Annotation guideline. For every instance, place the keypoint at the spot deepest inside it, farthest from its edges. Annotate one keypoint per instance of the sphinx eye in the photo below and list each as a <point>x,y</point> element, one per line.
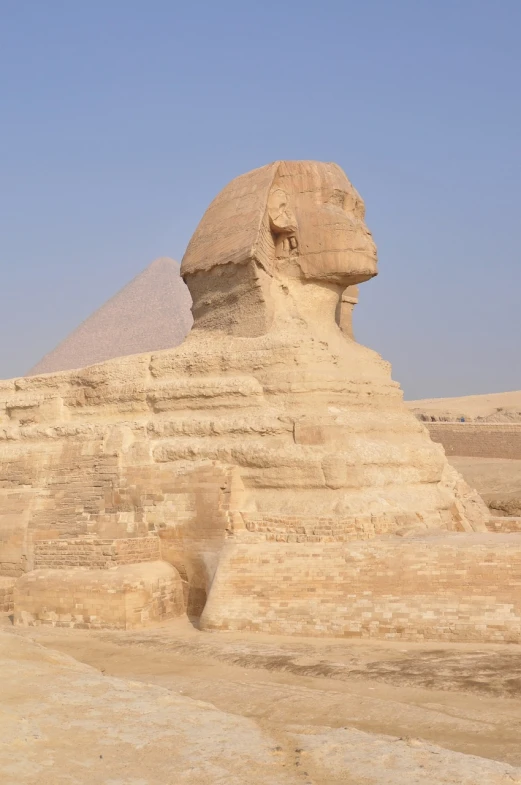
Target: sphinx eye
<point>337,198</point>
<point>359,209</point>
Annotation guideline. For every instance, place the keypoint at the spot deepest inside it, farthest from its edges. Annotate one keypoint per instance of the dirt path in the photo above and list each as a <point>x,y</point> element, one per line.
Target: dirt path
<point>462,697</point>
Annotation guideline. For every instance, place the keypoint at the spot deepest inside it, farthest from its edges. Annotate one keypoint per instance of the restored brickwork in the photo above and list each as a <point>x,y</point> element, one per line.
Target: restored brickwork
<point>81,497</point>
<point>473,440</point>
<point>15,507</point>
<point>451,587</point>
<point>122,598</point>
<point>94,553</point>
<point>6,595</point>
<point>287,528</point>
<point>504,524</point>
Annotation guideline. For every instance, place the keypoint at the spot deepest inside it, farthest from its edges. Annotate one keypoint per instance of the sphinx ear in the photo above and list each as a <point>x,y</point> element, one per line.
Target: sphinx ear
<point>282,218</point>
<point>283,223</point>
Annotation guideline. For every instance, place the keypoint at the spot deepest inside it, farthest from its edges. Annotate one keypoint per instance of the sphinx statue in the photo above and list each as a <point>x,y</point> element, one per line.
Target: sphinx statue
<point>273,270</point>
<point>270,446</point>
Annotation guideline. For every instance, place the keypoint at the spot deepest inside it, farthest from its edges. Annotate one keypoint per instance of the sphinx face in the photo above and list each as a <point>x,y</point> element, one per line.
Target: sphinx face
<point>328,236</point>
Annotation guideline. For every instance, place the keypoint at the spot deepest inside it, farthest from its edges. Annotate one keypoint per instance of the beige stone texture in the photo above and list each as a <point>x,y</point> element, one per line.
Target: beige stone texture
<point>451,588</point>
<point>269,423</point>
<point>95,553</point>
<point>347,305</point>
<point>493,407</point>
<point>478,440</point>
<point>481,435</point>
<point>6,594</point>
<point>125,597</point>
<point>504,524</point>
<point>64,722</point>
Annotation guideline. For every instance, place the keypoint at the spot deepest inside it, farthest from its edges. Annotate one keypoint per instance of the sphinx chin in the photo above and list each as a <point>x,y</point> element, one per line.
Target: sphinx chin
<point>346,268</point>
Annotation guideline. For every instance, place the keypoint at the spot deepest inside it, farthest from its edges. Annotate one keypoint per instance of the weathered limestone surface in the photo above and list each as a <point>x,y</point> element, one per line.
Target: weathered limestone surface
<point>64,722</point>
<point>125,597</point>
<point>449,588</point>
<point>268,425</point>
<point>6,594</point>
<point>478,440</point>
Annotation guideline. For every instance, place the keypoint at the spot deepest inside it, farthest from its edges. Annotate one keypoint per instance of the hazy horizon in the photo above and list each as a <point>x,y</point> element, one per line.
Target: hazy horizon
<point>122,121</point>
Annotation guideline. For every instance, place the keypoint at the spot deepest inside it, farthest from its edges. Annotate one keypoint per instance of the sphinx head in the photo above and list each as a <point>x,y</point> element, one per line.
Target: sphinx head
<point>298,220</point>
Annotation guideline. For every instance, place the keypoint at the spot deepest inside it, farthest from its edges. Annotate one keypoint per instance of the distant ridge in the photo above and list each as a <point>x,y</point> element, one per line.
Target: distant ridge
<point>491,408</point>
<point>151,312</point>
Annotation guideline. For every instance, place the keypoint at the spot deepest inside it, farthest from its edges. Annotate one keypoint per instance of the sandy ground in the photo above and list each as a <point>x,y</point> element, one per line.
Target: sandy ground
<point>495,407</point>
<point>497,480</point>
<point>64,722</point>
<point>463,697</point>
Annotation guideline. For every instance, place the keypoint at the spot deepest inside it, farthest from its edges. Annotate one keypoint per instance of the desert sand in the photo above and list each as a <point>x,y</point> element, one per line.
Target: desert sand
<point>497,479</point>
<point>494,407</point>
<point>173,705</point>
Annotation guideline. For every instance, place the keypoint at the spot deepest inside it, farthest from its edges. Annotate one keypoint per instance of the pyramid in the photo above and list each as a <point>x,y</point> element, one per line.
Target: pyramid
<point>151,312</point>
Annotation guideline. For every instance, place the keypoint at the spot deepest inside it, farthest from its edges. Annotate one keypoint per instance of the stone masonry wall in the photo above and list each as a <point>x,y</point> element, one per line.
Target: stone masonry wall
<point>504,524</point>
<point>473,440</point>
<point>94,553</point>
<point>14,511</point>
<point>6,594</point>
<point>126,597</point>
<point>287,528</point>
<point>452,587</point>
<point>190,514</point>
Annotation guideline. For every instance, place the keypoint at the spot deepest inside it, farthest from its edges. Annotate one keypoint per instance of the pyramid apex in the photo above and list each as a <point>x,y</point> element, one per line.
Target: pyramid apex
<point>161,260</point>
<point>150,313</point>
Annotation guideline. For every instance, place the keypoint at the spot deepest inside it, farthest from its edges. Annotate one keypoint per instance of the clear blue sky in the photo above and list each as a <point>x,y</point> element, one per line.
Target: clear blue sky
<point>121,120</point>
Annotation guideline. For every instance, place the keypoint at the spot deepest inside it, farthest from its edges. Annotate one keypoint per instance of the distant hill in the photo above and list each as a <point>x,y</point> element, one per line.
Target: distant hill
<point>495,407</point>
<point>151,312</point>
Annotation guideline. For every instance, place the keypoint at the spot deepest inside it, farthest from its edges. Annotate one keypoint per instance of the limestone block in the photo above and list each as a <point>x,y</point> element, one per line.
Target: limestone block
<point>504,524</point>
<point>6,595</point>
<point>126,597</point>
<point>459,587</point>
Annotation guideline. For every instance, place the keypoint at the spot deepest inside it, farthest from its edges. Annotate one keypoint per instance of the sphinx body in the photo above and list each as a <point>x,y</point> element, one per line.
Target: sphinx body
<point>268,436</point>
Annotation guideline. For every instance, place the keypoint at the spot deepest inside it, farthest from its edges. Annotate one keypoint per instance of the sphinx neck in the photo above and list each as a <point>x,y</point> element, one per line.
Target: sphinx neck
<point>308,305</point>
<point>245,301</point>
